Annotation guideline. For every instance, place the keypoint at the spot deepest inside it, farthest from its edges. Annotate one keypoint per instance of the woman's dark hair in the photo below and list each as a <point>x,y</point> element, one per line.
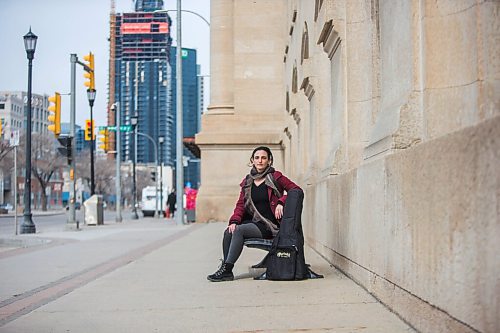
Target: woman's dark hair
<point>266,149</point>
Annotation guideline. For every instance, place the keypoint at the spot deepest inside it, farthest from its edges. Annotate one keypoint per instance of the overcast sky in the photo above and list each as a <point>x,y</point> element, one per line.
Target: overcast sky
<point>79,26</point>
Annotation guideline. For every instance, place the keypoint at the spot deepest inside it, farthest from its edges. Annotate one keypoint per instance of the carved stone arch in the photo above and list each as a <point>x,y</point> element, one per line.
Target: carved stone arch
<point>294,79</point>
<point>304,52</point>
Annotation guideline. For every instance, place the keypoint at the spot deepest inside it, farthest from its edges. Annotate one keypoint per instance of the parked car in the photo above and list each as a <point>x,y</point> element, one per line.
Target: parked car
<point>7,206</point>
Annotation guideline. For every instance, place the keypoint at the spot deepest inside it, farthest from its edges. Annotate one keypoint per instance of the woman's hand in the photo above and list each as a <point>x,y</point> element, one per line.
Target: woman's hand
<point>278,213</point>
<point>231,228</point>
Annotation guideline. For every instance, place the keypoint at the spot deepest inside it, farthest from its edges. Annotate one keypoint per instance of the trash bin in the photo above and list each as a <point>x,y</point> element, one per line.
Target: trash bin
<point>94,214</point>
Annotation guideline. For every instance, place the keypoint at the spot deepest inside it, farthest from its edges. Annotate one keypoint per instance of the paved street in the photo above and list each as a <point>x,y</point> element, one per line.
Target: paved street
<point>149,275</point>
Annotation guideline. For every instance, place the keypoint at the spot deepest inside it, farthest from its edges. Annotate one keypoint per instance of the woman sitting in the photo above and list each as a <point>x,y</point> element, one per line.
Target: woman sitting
<point>258,210</point>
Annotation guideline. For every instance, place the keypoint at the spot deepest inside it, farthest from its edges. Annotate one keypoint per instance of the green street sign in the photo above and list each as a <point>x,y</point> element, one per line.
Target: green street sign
<point>123,128</point>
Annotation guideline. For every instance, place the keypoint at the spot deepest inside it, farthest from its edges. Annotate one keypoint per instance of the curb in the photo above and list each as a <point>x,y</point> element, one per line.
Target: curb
<point>48,213</point>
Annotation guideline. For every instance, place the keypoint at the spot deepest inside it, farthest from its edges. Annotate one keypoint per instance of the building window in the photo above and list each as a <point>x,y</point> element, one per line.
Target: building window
<point>304,52</point>
<point>294,80</point>
<point>317,8</point>
<point>287,102</point>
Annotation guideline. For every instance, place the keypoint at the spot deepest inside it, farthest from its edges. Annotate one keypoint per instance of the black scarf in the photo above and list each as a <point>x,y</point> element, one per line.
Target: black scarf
<point>267,174</point>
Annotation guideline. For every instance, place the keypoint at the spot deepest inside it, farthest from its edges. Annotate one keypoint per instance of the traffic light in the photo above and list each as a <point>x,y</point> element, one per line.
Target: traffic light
<point>55,118</point>
<point>104,139</point>
<point>89,130</point>
<point>153,175</point>
<point>65,150</point>
<point>89,71</point>
<point>1,128</point>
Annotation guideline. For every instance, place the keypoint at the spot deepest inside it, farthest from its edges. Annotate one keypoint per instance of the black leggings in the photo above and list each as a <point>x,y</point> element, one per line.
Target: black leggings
<point>232,244</point>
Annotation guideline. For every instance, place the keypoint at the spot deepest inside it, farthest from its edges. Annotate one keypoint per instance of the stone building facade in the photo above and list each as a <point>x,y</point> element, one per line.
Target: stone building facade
<point>387,113</point>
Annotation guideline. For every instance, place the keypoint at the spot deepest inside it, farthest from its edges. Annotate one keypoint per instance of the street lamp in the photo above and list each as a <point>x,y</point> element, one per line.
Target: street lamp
<point>161,139</point>
<point>179,148</point>
<point>133,122</point>
<point>28,227</point>
<point>91,96</point>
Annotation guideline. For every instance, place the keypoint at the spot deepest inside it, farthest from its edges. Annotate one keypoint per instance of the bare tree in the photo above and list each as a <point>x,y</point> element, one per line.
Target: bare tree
<point>6,159</point>
<point>104,176</point>
<point>82,166</point>
<point>45,161</point>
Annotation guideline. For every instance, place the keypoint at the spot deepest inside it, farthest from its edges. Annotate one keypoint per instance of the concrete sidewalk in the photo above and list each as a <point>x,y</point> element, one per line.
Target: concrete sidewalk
<point>161,286</point>
<point>34,213</point>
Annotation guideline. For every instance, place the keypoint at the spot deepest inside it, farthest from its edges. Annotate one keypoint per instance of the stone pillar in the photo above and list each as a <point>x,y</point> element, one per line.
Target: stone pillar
<point>221,57</point>
<point>247,100</point>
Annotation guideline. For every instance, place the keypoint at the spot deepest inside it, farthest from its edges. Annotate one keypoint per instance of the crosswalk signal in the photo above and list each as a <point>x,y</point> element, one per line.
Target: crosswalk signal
<point>55,118</point>
<point>104,139</point>
<point>89,130</point>
<point>89,71</point>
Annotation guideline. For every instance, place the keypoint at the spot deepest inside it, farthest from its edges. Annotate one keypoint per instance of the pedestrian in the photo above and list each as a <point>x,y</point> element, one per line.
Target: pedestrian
<point>258,211</point>
<point>171,200</point>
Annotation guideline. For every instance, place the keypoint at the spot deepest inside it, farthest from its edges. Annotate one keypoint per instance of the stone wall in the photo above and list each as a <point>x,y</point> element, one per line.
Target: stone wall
<point>394,132</point>
<point>387,113</point>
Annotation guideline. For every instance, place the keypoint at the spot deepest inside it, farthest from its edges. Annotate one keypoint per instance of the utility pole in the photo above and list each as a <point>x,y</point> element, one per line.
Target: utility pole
<point>72,223</point>
<point>133,122</point>
<point>179,174</point>
<point>161,139</point>
<point>15,184</point>
<point>118,160</point>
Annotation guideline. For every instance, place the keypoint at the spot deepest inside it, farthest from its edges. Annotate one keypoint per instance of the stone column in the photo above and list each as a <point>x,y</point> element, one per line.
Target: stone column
<point>247,103</point>
<point>221,57</point>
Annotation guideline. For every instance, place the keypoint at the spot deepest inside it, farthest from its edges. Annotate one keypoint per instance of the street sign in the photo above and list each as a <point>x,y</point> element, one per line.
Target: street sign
<point>123,128</point>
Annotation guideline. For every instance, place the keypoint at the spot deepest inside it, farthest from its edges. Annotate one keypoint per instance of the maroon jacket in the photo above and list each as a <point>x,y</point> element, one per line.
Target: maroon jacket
<point>282,183</point>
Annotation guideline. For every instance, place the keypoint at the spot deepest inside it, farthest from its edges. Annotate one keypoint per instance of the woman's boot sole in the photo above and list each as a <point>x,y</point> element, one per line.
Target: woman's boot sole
<point>229,278</point>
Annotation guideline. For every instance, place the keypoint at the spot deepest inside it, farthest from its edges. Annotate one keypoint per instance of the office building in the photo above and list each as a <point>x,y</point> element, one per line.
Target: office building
<point>141,53</point>
<point>13,113</point>
<point>13,109</point>
<point>79,141</point>
<point>145,87</point>
<point>387,114</point>
<point>190,110</point>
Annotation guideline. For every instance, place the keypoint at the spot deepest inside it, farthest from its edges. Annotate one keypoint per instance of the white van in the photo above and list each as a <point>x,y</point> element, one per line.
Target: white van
<point>148,203</point>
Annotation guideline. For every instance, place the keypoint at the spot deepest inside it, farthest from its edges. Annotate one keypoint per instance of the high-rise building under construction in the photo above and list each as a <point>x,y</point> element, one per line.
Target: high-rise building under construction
<point>141,64</point>
<point>143,81</point>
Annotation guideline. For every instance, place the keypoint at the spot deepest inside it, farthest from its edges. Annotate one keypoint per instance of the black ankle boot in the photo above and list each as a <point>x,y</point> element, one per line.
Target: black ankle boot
<point>224,273</point>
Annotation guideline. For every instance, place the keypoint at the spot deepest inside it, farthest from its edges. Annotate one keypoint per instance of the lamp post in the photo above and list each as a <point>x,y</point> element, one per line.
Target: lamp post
<point>179,217</point>
<point>91,96</point>
<point>28,227</point>
<point>161,139</point>
<point>179,174</point>
<point>133,122</point>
